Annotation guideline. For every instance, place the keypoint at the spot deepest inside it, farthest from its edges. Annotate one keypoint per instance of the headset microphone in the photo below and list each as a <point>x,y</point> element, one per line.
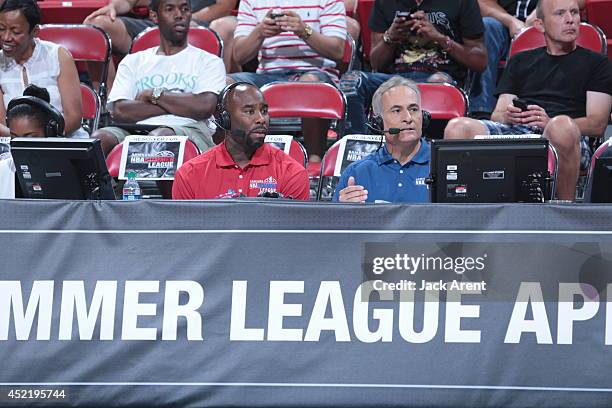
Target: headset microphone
<point>377,130</point>
<point>375,123</point>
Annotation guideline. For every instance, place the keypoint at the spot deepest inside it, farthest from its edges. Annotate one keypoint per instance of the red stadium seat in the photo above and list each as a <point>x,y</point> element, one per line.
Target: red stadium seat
<point>113,160</point>
<point>85,43</point>
<point>599,13</point>
<point>298,152</point>
<point>201,37</point>
<point>64,12</point>
<point>304,99</point>
<point>349,55</point>
<point>553,169</point>
<point>598,152</point>
<point>91,108</point>
<point>326,185</point>
<point>364,9</point>
<point>443,101</point>
<point>590,37</point>
<point>327,181</point>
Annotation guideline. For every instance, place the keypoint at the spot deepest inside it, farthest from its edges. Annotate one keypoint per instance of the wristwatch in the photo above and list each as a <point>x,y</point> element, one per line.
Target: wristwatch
<point>156,94</point>
<point>387,39</point>
<point>307,32</point>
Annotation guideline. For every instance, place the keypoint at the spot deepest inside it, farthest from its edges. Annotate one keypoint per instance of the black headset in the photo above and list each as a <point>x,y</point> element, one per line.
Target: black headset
<point>55,124</point>
<point>375,122</point>
<point>222,115</point>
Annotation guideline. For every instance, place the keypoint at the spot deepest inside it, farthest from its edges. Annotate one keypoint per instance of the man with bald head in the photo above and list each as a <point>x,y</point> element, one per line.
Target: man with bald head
<point>243,165</point>
<point>567,90</point>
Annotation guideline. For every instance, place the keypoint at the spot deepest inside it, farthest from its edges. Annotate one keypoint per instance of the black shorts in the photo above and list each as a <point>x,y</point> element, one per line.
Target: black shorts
<point>135,26</point>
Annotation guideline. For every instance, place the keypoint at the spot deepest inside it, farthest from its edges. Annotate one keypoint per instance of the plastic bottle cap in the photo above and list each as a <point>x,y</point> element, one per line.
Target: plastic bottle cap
<point>131,174</point>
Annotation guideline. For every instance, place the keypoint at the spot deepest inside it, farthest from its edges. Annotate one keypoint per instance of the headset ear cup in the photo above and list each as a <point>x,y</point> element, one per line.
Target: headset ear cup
<point>223,119</point>
<point>55,124</point>
<point>53,129</point>
<point>376,124</point>
<point>226,120</point>
<point>426,120</point>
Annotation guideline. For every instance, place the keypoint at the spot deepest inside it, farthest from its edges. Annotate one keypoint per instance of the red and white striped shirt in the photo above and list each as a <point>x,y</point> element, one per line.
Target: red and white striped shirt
<point>286,50</point>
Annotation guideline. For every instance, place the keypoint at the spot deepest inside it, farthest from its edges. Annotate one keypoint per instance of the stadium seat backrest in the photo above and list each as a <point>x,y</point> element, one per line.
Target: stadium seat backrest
<point>304,99</point>
<point>191,151</point>
<point>364,9</point>
<point>298,152</point>
<point>113,160</point>
<point>598,13</point>
<point>329,160</point>
<point>200,37</point>
<point>590,37</point>
<point>91,106</point>
<point>598,152</point>
<point>85,43</point>
<point>326,180</point>
<point>349,55</point>
<point>443,101</point>
<point>553,169</point>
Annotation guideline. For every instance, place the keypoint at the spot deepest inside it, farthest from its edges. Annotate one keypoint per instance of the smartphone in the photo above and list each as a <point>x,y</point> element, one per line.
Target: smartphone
<point>520,103</point>
<point>405,14</point>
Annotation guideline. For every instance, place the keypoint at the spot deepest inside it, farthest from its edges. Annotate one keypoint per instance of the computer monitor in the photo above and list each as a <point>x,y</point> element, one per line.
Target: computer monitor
<point>601,182</point>
<point>489,171</point>
<point>61,168</point>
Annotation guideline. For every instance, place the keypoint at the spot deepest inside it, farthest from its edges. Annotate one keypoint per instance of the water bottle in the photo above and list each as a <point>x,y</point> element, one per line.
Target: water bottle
<point>131,189</point>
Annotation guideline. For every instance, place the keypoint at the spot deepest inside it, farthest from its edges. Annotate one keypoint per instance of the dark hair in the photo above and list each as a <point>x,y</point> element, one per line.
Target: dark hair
<point>40,116</point>
<point>41,93</point>
<point>29,9</point>
<point>154,5</point>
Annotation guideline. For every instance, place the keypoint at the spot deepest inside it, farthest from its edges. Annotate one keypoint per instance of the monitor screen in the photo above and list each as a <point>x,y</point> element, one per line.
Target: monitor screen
<point>61,168</point>
<point>489,171</point>
<point>601,183</point>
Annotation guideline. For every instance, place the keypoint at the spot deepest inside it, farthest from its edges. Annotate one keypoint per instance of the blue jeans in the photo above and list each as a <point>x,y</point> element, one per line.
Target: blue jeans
<point>260,80</point>
<point>497,41</point>
<point>359,87</point>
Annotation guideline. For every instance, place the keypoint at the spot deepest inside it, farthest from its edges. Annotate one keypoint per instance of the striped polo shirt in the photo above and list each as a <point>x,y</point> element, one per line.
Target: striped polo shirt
<point>286,50</point>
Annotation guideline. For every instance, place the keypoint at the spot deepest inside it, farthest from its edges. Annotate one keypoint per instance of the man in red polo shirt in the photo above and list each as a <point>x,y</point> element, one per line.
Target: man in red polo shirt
<point>243,165</point>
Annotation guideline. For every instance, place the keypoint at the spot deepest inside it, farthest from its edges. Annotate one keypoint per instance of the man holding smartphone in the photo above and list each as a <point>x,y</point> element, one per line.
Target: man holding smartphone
<point>294,41</point>
<point>426,41</point>
<point>503,21</point>
<point>565,91</point>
